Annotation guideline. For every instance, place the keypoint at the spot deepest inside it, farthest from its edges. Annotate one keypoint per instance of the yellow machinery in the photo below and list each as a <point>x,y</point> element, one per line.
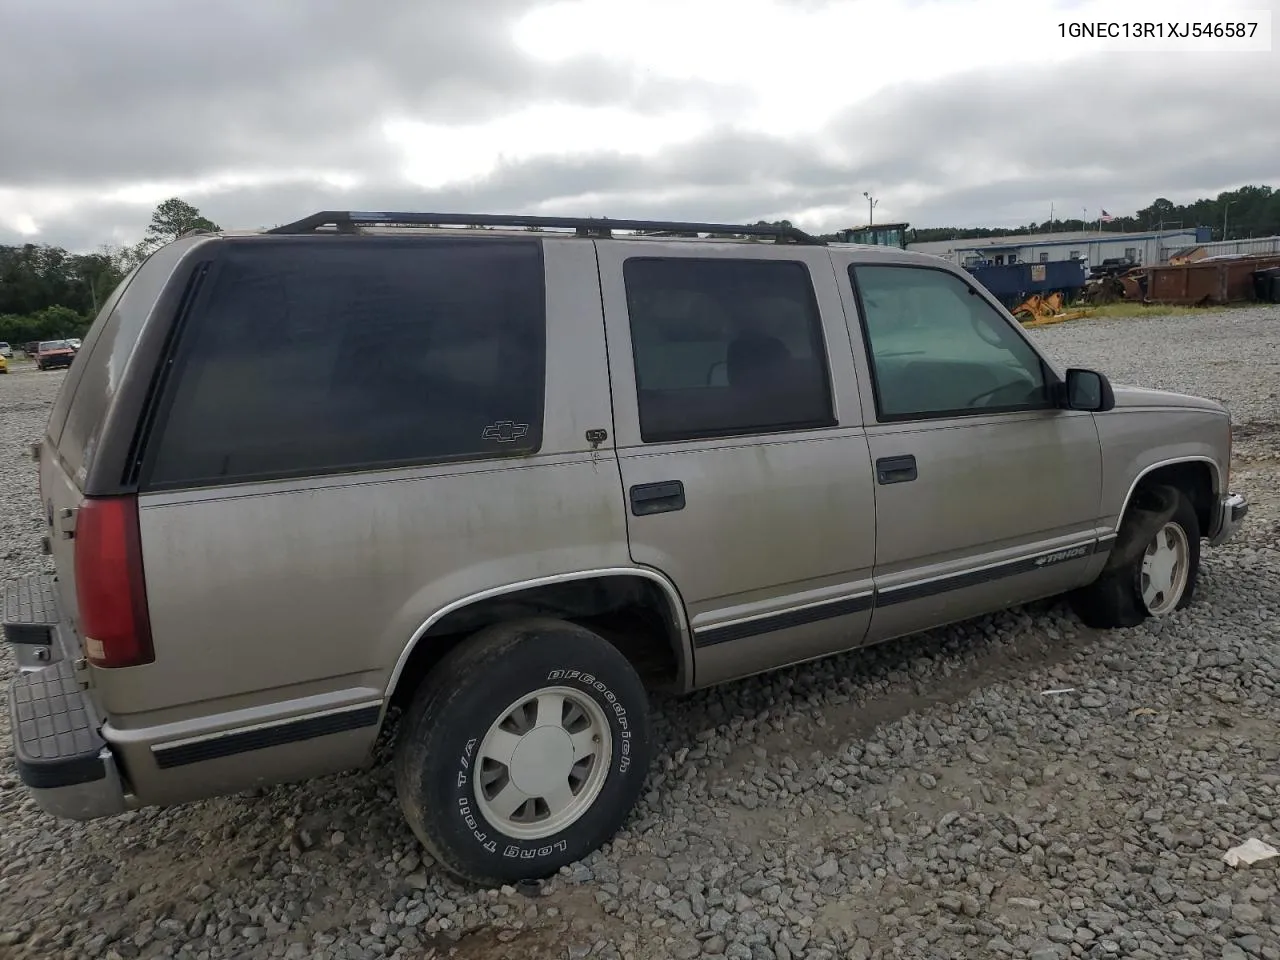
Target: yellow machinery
<point>1038,311</point>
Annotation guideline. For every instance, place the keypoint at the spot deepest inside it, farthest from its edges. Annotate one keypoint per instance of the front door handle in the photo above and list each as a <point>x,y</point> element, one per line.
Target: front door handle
<point>663,497</point>
<point>895,469</point>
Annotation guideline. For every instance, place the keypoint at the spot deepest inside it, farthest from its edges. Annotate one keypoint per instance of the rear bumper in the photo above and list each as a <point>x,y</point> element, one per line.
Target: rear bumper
<point>57,744</point>
<point>1232,509</point>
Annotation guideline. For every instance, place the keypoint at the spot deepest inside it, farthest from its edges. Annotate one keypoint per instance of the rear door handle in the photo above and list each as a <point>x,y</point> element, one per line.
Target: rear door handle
<point>663,497</point>
<point>895,469</point>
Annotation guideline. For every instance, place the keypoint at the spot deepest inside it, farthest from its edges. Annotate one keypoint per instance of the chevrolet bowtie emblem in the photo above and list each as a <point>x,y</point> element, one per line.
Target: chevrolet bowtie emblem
<point>505,431</point>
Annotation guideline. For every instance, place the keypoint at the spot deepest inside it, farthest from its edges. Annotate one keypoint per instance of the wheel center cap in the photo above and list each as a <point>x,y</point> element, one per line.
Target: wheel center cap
<point>541,761</point>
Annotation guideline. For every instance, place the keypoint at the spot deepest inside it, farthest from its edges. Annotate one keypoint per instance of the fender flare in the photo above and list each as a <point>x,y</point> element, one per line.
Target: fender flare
<point>1145,471</point>
<point>683,639</point>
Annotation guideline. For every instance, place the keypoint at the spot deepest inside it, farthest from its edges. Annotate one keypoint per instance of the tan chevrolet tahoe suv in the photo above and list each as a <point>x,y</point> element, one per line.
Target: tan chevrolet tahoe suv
<point>510,479</point>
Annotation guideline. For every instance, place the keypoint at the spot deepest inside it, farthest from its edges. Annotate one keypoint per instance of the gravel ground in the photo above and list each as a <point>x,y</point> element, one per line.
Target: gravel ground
<point>925,799</point>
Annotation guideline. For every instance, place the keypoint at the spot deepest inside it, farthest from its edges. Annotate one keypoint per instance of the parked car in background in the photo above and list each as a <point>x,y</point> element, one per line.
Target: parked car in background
<point>4,364</point>
<point>75,343</point>
<point>54,353</point>
<point>580,465</point>
<point>6,351</point>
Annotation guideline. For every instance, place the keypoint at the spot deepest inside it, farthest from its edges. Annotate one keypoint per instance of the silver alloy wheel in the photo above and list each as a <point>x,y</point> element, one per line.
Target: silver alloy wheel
<point>1165,568</point>
<point>543,763</point>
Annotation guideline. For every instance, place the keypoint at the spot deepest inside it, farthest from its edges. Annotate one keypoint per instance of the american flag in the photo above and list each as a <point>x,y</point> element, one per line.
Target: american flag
<point>1105,217</point>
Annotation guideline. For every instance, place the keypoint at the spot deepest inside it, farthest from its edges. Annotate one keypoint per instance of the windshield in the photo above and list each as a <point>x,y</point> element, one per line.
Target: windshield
<point>53,345</point>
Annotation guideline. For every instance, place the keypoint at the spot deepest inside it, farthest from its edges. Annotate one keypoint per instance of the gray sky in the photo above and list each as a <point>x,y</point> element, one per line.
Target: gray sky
<point>951,112</point>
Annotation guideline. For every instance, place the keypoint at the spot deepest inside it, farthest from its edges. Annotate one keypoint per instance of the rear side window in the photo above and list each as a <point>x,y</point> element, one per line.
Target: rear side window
<point>92,384</point>
<point>107,317</point>
<point>327,355</point>
<point>726,348</point>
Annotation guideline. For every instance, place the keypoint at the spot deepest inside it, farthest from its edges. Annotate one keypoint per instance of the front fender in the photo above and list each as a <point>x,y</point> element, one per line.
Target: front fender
<point>1137,442</point>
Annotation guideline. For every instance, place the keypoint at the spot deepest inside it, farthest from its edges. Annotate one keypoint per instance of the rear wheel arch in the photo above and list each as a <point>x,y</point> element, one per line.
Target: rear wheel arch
<point>638,610</point>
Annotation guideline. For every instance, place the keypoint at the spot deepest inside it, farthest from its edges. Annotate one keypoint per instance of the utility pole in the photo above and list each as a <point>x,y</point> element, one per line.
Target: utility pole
<point>1224,218</point>
<point>871,207</point>
<point>93,291</point>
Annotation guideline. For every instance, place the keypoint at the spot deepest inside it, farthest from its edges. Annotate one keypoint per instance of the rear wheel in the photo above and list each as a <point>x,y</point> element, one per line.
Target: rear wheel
<point>523,751</point>
<point>1154,567</point>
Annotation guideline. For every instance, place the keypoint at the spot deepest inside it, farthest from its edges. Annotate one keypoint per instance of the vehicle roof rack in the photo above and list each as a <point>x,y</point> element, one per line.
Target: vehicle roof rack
<point>349,221</point>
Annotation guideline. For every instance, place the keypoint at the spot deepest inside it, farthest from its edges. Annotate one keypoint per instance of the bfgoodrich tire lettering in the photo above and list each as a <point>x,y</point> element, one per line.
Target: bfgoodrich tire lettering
<point>448,784</point>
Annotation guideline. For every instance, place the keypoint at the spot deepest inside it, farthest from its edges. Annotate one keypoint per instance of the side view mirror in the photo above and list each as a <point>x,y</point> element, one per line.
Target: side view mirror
<point>1087,390</point>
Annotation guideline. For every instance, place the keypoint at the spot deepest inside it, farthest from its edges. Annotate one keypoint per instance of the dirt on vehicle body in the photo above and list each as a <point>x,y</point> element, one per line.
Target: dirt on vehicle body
<point>581,466</point>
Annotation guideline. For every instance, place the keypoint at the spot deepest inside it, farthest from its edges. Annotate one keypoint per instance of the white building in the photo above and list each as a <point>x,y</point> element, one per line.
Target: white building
<point>1149,249</point>
<point>1253,247</point>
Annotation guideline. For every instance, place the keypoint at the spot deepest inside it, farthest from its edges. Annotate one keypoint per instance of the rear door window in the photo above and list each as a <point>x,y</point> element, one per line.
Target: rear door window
<point>325,355</point>
<point>726,347</point>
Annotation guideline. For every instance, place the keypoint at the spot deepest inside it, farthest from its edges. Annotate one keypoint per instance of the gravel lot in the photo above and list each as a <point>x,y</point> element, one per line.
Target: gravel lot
<point>926,799</point>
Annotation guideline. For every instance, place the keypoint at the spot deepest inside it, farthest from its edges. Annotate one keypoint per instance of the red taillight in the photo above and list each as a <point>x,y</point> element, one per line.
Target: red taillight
<point>110,589</point>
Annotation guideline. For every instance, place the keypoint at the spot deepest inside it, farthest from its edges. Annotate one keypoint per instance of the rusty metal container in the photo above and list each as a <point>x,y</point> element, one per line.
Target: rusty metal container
<point>1206,282</point>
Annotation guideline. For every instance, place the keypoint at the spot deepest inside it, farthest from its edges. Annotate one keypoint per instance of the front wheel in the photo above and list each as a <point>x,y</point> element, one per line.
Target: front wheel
<point>1154,567</point>
<point>523,751</point>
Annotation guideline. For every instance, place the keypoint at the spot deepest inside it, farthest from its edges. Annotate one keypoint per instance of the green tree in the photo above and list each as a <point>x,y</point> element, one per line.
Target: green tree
<point>128,256</point>
<point>1251,211</point>
<point>172,219</point>
<point>51,323</point>
<point>94,276</point>
<point>15,330</point>
<point>57,322</point>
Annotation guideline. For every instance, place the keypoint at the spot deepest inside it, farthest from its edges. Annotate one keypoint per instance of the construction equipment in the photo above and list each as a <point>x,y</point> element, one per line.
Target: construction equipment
<point>1110,289</point>
<point>1038,311</point>
<point>880,235</point>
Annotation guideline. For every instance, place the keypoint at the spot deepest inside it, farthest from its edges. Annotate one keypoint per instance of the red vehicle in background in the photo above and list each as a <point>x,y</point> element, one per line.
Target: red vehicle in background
<point>54,353</point>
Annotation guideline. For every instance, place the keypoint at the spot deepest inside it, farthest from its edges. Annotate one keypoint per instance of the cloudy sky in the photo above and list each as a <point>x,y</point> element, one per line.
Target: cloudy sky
<point>950,112</point>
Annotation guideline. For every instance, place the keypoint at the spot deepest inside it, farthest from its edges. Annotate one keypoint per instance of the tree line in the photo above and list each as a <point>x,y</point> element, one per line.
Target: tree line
<point>1252,211</point>
<point>47,293</point>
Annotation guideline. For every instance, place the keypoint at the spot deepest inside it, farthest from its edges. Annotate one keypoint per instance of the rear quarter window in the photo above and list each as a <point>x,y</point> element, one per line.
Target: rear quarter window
<point>95,378</point>
<point>66,395</point>
<point>315,356</point>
